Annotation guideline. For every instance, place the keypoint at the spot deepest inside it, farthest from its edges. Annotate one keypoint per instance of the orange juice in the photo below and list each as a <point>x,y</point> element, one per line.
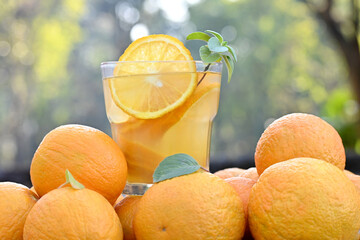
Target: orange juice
<point>185,129</point>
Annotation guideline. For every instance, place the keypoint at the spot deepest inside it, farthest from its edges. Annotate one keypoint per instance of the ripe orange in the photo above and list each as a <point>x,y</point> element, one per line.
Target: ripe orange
<point>69,214</point>
<point>90,155</point>
<point>299,135</point>
<point>229,172</point>
<point>194,206</point>
<point>304,198</point>
<point>250,173</point>
<point>166,85</point>
<point>126,209</point>
<point>242,186</point>
<point>16,201</point>
<point>355,179</point>
<point>348,172</point>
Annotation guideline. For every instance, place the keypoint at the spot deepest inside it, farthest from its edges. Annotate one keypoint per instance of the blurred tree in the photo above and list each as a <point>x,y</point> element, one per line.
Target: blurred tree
<point>286,64</point>
<point>341,20</point>
<point>342,23</point>
<point>40,37</point>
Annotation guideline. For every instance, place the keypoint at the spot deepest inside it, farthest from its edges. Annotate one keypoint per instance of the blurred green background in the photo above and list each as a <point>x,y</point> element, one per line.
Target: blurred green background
<point>294,56</point>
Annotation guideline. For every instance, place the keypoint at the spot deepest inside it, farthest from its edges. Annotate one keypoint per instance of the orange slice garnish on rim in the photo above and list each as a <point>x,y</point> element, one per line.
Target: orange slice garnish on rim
<point>162,81</point>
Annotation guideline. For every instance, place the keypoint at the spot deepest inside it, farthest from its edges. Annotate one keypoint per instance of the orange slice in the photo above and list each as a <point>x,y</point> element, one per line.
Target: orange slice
<point>161,82</point>
<point>142,161</point>
<point>155,128</point>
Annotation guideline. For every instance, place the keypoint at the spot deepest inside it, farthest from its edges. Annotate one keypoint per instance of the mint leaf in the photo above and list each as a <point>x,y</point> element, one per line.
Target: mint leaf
<point>198,36</point>
<point>215,50</point>
<point>217,35</point>
<point>232,51</point>
<point>230,66</point>
<point>70,179</point>
<point>174,166</point>
<point>207,56</point>
<point>215,46</point>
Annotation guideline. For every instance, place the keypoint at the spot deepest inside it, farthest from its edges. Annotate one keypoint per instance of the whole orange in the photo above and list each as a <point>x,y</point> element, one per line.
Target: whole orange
<point>348,172</point>
<point>69,214</point>
<point>242,186</point>
<point>304,198</point>
<point>229,172</point>
<point>250,173</point>
<point>126,209</point>
<point>299,135</point>
<point>194,206</point>
<point>90,155</point>
<point>16,201</point>
<point>355,179</point>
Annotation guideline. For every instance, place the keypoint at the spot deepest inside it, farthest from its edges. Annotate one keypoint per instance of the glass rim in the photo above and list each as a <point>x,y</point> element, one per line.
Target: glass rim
<point>161,61</point>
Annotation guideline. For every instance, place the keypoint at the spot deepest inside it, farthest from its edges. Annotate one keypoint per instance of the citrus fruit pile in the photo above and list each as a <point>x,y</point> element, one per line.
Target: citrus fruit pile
<point>308,196</point>
<point>59,207</point>
<point>298,189</point>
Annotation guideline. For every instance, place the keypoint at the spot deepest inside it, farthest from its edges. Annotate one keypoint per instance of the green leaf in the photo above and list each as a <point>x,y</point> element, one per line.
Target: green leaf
<point>232,51</point>
<point>229,65</point>
<point>207,56</point>
<point>70,179</point>
<point>215,45</point>
<point>198,36</point>
<point>216,50</point>
<point>217,35</point>
<point>174,166</point>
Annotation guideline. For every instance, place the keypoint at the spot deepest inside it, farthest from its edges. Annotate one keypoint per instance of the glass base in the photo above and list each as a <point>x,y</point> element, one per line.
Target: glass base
<point>136,188</point>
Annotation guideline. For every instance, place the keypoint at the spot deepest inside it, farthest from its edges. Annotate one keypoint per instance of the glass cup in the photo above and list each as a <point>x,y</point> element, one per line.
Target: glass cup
<point>185,129</point>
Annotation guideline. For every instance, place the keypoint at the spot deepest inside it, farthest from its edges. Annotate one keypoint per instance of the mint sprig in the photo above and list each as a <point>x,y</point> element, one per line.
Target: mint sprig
<point>215,50</point>
<point>174,166</point>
